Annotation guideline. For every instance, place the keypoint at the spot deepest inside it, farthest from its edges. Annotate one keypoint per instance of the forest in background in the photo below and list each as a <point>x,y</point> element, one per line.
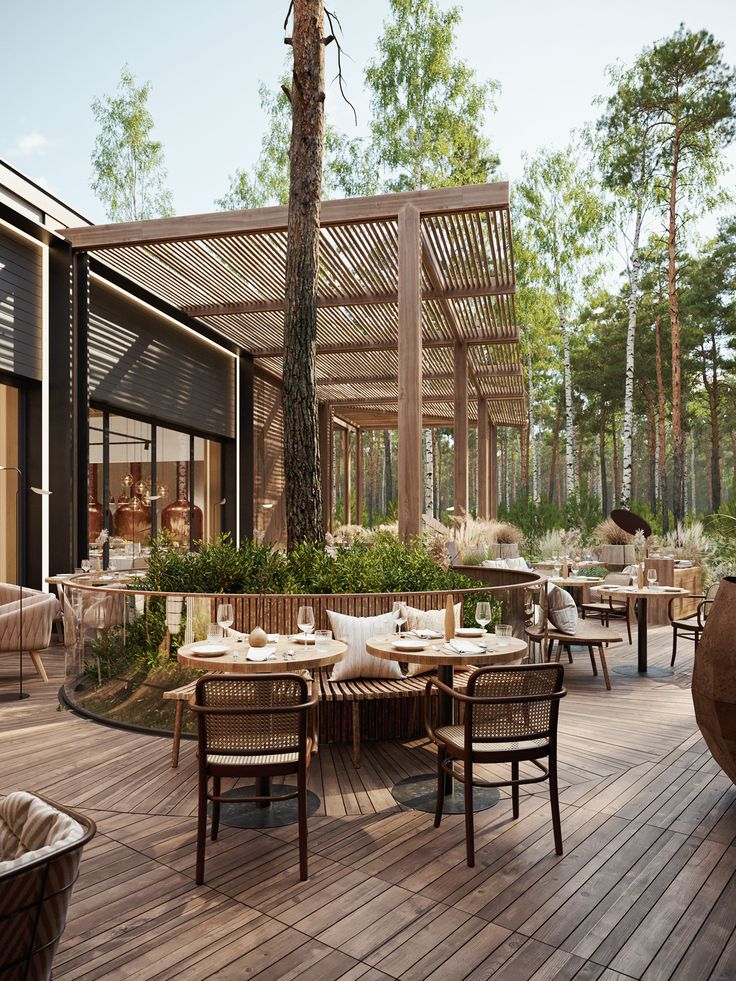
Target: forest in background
<point>627,314</point>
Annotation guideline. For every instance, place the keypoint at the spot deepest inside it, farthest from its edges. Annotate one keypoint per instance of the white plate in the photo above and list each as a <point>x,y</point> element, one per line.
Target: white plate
<point>469,632</point>
<point>211,650</point>
<point>409,645</point>
<point>303,639</point>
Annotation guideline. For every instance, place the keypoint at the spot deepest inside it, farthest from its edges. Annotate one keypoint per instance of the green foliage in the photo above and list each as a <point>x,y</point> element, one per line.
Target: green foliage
<point>128,164</point>
<point>583,511</point>
<point>534,518</point>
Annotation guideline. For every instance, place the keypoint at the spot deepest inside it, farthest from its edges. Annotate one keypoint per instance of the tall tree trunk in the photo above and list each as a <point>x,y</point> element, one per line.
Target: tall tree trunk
<point>604,475</point>
<point>555,452</point>
<point>532,436</point>
<point>711,387</point>
<point>428,472</point>
<point>388,472</point>
<point>614,461</point>
<point>569,419</point>
<point>630,339</point>
<point>693,485</point>
<point>662,436</point>
<point>299,394</point>
<point>524,478</point>
<point>678,436</point>
<point>651,444</point>
<point>369,482</point>
<point>581,447</point>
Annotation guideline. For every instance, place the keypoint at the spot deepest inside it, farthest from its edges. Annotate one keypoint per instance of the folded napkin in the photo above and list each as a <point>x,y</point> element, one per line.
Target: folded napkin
<point>460,646</point>
<point>424,634</point>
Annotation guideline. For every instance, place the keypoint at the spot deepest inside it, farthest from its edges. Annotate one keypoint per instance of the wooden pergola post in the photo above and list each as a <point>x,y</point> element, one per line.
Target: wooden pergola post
<point>461,430</point>
<point>484,502</point>
<point>325,457</point>
<point>410,374</point>
<point>359,476</point>
<point>346,473</point>
<point>493,475</point>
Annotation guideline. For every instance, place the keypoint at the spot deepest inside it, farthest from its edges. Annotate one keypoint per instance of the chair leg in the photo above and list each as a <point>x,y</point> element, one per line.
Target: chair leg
<point>38,665</point>
<point>628,621</point>
<point>554,801</point>
<point>469,828</point>
<point>674,646</point>
<point>178,717</point>
<point>356,734</point>
<point>201,828</point>
<point>215,829</point>
<point>515,789</point>
<point>302,813</point>
<point>697,639</point>
<point>604,665</point>
<point>441,757</point>
<point>592,660</point>
<point>550,649</point>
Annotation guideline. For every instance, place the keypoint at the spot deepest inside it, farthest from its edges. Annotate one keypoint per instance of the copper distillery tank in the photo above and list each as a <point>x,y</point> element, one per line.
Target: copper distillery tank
<point>175,517</point>
<point>133,522</point>
<point>96,516</point>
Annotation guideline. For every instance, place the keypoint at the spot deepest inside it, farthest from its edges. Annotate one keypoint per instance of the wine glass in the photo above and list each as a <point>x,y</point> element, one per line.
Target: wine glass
<point>225,617</point>
<point>85,565</point>
<point>483,615</point>
<point>557,563</point>
<point>652,578</point>
<point>400,615</point>
<point>305,621</point>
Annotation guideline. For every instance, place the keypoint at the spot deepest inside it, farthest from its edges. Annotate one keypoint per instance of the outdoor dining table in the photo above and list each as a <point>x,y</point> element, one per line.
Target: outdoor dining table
<point>289,654</point>
<point>420,792</point>
<point>583,583</point>
<point>641,596</point>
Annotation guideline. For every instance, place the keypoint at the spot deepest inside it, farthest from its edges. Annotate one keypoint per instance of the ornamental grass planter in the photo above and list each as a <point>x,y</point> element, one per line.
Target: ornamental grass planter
<point>618,555</point>
<point>504,550</point>
<point>714,678</point>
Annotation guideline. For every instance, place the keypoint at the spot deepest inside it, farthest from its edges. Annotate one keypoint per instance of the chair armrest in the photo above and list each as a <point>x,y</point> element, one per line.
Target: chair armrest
<point>699,612</point>
<point>674,599</point>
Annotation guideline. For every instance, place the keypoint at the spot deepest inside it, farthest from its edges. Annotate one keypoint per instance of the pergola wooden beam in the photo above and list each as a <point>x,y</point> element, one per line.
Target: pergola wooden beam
<point>444,297</point>
<point>488,373</point>
<point>392,345</point>
<point>432,400</point>
<point>225,224</point>
<point>483,505</point>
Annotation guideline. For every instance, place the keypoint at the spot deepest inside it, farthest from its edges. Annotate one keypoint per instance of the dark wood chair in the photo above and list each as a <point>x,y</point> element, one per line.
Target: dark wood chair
<point>690,626</point>
<point>611,608</point>
<point>257,726</point>
<point>510,717</point>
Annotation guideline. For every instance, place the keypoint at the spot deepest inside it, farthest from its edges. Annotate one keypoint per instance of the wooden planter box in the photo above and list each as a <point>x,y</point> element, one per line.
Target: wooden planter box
<point>500,551</point>
<point>618,555</point>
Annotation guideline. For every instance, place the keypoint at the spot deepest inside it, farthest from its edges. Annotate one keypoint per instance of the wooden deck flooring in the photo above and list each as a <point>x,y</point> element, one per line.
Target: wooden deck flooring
<point>646,888</point>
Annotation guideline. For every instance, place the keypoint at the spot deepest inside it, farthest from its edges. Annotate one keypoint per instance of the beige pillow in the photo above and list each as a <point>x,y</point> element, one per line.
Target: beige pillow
<point>427,620</point>
<point>561,609</point>
<point>355,631</point>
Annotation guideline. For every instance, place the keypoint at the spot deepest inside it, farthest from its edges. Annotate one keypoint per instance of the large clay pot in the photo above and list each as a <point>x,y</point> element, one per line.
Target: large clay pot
<point>714,678</point>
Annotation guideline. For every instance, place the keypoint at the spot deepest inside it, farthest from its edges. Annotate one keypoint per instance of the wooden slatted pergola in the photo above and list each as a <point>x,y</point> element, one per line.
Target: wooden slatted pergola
<point>416,317</point>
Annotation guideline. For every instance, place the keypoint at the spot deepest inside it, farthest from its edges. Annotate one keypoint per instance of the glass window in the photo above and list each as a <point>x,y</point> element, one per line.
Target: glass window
<point>9,430</point>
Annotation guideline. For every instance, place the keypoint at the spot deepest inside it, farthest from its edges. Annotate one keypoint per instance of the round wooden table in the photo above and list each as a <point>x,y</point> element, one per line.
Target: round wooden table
<point>641,596</point>
<point>289,655</point>
<point>420,792</point>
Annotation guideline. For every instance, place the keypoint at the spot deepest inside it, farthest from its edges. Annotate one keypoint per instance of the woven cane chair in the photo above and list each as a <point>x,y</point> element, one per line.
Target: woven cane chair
<point>252,727</point>
<point>691,626</point>
<point>510,717</point>
<point>611,609</point>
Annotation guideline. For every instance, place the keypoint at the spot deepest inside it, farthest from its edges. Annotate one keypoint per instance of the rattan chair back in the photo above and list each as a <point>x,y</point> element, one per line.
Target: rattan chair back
<point>249,716</point>
<point>516,702</point>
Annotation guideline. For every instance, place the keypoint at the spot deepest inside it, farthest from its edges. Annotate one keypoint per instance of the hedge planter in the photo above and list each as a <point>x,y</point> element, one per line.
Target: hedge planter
<point>714,678</point>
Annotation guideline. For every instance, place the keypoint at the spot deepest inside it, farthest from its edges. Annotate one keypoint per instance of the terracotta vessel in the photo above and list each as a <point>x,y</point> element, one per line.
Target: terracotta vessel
<point>258,637</point>
<point>175,517</point>
<point>714,678</point>
<point>96,518</point>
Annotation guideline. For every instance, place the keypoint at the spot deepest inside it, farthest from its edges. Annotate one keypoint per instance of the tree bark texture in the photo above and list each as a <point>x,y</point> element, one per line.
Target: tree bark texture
<point>555,453</point>
<point>604,476</point>
<point>678,436</point>
<point>630,339</point>
<point>428,460</point>
<point>569,417</point>
<point>299,399</point>
<point>711,384</point>
<point>662,436</point>
<point>388,469</point>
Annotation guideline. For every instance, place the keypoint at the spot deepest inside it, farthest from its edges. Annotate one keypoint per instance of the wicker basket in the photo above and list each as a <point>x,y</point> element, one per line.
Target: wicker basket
<point>33,904</point>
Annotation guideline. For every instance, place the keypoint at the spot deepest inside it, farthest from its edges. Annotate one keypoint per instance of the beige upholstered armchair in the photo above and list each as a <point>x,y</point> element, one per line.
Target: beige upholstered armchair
<point>39,612</point>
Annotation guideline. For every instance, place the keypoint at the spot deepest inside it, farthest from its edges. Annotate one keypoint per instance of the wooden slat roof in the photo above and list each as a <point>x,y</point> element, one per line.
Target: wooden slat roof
<point>228,270</point>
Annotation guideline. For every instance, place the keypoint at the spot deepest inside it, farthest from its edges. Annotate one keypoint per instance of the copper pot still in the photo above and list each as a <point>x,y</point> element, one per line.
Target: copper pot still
<point>714,678</point>
<point>96,516</point>
<point>175,517</point>
<point>133,517</point>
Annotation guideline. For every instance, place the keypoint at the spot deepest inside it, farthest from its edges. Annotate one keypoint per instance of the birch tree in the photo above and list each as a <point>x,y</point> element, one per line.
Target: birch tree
<point>625,154</point>
<point>564,219</point>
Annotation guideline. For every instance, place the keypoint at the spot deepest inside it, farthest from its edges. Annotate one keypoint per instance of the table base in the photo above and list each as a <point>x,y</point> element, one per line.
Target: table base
<point>420,793</point>
<point>276,815</point>
<point>652,671</point>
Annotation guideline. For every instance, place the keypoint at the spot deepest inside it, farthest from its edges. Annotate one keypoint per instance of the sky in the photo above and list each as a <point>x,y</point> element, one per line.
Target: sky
<point>205,61</point>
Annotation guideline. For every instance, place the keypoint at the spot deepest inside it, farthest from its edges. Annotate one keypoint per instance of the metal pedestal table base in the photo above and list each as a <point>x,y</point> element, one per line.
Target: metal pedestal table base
<point>652,671</point>
<point>275,815</point>
<point>420,793</point>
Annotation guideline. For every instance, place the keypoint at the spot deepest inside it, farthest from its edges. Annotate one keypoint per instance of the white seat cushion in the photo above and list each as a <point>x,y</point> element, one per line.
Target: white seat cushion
<point>495,564</point>
<point>30,829</point>
<point>455,736</point>
<point>518,564</point>
<point>263,760</point>
<point>427,620</point>
<point>561,609</point>
<point>355,631</point>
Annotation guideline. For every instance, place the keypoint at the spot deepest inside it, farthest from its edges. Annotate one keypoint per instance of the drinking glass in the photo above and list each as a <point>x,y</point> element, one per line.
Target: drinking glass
<point>213,632</point>
<point>305,620</point>
<point>503,633</point>
<point>86,565</point>
<point>225,616</point>
<point>652,578</point>
<point>322,639</point>
<point>483,615</point>
<point>400,615</point>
